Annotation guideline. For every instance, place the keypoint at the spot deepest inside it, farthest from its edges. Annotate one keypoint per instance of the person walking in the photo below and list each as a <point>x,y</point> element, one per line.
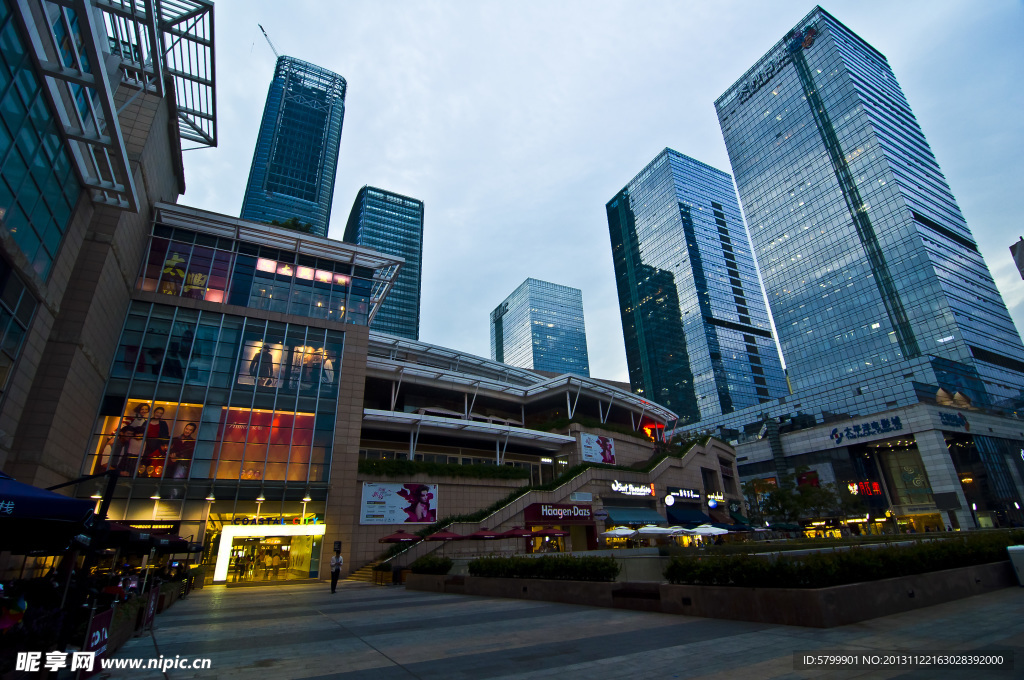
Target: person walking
<point>277,564</point>
<point>268,564</point>
<point>336,563</point>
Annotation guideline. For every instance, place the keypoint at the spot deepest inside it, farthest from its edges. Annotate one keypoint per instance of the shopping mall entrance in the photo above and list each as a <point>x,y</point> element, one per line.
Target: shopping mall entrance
<point>268,553</point>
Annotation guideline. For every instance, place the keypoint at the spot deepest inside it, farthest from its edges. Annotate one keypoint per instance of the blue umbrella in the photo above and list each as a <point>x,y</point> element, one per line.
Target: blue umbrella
<point>33,519</point>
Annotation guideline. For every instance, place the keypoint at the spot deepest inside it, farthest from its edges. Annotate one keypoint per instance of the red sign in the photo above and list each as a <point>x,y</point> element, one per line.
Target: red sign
<point>558,513</point>
<point>96,641</point>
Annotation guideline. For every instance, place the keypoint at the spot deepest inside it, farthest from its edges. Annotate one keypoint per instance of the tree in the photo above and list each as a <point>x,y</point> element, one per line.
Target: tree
<point>294,224</point>
<point>757,492</point>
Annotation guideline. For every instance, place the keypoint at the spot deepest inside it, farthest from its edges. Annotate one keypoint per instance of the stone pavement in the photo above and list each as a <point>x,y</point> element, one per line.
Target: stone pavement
<point>367,632</point>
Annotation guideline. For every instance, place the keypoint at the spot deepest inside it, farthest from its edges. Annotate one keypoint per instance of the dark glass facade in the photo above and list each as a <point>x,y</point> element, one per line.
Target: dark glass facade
<point>38,186</point>
<point>540,326</point>
<point>871,271</point>
<point>393,224</point>
<point>296,155</point>
<point>696,329</point>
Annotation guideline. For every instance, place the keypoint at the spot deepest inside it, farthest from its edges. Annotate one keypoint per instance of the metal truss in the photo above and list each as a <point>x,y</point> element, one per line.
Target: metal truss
<point>86,49</point>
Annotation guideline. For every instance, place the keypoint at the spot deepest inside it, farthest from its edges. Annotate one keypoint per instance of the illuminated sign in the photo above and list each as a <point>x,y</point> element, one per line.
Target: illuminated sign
<point>562,513</point>
<point>245,521</point>
<point>875,427</point>
<point>633,489</point>
<point>681,494</point>
<point>864,488</point>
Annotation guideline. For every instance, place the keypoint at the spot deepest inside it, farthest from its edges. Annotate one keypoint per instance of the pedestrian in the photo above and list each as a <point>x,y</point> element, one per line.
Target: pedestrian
<point>277,564</point>
<point>268,564</point>
<point>336,563</point>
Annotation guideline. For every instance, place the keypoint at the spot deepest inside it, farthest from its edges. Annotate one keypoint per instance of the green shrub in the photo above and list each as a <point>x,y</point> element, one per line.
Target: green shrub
<point>382,566</point>
<point>431,564</point>
<point>553,567</point>
<point>857,564</point>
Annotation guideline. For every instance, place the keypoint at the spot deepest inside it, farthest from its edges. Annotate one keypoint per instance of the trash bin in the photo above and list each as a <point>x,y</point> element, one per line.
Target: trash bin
<point>1017,560</point>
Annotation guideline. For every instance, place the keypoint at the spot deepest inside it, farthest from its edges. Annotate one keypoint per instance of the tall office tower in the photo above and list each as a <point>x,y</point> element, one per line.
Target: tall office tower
<point>392,224</point>
<point>540,326</point>
<point>698,340</point>
<point>296,155</point>
<point>870,268</point>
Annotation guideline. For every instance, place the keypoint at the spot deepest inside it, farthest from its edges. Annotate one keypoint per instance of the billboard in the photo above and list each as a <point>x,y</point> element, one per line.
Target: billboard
<point>398,503</point>
<point>597,449</point>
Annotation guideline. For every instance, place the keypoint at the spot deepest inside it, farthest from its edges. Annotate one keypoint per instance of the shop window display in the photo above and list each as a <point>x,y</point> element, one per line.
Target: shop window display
<point>180,265</point>
<point>213,396</point>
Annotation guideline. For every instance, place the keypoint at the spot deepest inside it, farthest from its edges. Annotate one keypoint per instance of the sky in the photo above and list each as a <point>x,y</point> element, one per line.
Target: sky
<point>516,122</point>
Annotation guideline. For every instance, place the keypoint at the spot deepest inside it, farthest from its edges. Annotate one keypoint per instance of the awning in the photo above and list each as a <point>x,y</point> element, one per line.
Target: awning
<point>684,516</point>
<point>634,516</point>
<point>738,517</point>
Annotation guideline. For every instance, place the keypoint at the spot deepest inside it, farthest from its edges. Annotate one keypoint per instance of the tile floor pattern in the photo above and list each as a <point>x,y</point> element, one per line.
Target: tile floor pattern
<point>367,632</point>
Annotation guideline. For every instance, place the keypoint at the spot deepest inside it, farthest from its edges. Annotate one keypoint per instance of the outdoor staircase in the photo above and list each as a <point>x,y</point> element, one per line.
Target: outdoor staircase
<point>364,574</point>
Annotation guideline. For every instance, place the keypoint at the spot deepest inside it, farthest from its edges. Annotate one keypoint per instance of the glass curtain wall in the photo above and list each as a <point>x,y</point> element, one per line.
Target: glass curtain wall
<point>202,395</point>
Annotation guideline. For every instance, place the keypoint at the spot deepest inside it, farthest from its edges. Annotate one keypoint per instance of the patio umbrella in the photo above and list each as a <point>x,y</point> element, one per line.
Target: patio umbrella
<point>518,532</point>
<point>551,532</point>
<point>619,532</point>
<point>652,530</point>
<point>33,519</point>
<point>445,536</point>
<point>708,530</point>
<point>483,534</point>
<point>399,537</point>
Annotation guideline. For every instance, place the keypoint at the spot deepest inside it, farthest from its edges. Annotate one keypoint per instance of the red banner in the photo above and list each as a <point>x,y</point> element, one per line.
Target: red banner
<point>96,641</point>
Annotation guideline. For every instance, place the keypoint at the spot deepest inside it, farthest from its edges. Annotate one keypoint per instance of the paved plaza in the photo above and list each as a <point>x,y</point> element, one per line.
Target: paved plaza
<point>390,633</point>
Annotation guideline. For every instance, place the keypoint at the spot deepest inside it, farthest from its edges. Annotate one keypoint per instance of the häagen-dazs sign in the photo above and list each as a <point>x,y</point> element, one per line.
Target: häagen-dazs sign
<point>558,513</point>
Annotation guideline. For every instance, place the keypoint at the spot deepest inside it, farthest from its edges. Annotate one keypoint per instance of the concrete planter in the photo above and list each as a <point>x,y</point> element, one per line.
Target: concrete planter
<point>838,605</point>
<point>817,608</point>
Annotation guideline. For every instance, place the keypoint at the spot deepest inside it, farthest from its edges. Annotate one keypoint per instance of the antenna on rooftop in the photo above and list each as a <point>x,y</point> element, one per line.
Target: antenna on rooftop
<point>269,42</point>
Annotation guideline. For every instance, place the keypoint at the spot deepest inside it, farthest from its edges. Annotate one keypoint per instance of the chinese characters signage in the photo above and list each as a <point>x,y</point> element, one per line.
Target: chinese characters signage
<point>867,429</point>
<point>864,488</point>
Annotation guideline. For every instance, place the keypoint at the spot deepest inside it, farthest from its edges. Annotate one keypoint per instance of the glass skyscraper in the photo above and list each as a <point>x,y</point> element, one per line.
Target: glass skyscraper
<point>393,224</point>
<point>878,291</point>
<point>540,326</point>
<point>696,329</point>
<point>296,155</point>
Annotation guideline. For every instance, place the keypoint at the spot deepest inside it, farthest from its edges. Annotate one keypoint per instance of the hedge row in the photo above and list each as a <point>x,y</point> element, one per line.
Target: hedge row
<point>553,567</point>
<point>408,468</point>
<point>822,570</point>
<point>431,564</point>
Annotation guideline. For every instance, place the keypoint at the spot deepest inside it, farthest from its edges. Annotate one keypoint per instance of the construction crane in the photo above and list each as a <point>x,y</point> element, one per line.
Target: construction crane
<point>269,42</point>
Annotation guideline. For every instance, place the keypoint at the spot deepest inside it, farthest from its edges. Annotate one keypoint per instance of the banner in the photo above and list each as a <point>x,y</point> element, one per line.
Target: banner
<point>398,503</point>
<point>597,449</point>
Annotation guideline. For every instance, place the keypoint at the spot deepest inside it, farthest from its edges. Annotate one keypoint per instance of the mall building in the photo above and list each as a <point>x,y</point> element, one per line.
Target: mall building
<point>249,407</point>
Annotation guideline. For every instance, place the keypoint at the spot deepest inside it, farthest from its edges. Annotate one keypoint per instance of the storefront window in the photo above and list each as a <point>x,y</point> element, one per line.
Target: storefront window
<point>202,267</point>
<point>210,396</point>
<point>906,476</point>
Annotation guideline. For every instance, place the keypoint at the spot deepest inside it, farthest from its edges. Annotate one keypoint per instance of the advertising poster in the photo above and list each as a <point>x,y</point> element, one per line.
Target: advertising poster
<point>150,439</point>
<point>96,640</point>
<point>398,503</point>
<point>597,449</point>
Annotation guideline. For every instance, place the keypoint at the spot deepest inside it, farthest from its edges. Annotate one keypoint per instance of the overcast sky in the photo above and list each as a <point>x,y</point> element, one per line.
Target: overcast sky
<point>515,122</point>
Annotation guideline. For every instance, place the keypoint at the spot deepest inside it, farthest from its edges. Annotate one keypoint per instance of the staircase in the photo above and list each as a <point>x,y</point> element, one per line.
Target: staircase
<point>364,574</point>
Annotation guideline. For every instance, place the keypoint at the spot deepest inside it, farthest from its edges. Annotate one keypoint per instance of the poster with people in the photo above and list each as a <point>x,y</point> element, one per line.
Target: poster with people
<point>398,503</point>
<point>150,439</point>
<point>597,449</point>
